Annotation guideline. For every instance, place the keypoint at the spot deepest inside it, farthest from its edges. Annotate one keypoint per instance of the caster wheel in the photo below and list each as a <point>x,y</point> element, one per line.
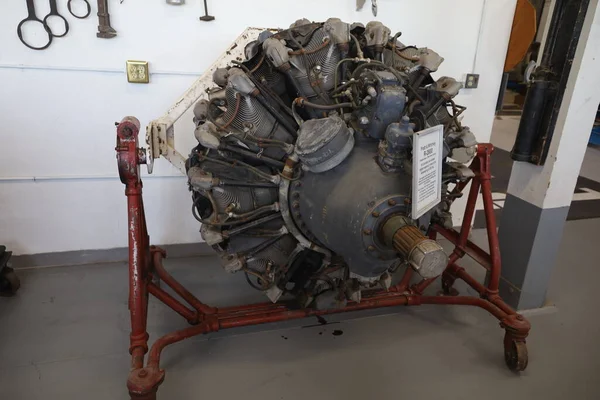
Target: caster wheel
<point>515,354</point>
<point>9,282</point>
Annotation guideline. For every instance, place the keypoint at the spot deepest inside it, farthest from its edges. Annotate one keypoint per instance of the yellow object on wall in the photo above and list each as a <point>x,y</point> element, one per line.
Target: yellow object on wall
<point>137,71</point>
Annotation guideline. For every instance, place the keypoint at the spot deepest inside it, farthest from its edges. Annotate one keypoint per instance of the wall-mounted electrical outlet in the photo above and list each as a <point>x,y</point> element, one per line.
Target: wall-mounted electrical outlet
<point>137,71</point>
<point>472,81</point>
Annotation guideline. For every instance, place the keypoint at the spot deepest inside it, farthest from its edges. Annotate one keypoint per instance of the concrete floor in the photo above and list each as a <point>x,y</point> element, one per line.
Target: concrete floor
<point>65,336</point>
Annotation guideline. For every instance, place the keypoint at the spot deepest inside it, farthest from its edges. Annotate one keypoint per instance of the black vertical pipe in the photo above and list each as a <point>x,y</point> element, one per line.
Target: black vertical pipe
<point>551,77</point>
<point>531,120</point>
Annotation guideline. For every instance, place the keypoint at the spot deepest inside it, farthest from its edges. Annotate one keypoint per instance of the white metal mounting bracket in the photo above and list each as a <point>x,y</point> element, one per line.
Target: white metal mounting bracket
<point>160,133</point>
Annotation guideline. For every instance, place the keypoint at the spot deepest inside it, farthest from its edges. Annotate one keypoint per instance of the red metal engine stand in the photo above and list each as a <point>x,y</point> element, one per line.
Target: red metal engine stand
<point>145,267</point>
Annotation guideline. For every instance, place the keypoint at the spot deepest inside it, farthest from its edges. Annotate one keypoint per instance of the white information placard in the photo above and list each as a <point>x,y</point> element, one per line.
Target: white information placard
<point>428,146</point>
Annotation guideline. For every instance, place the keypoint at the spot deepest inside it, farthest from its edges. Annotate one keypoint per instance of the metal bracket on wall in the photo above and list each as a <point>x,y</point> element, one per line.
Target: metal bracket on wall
<point>160,133</point>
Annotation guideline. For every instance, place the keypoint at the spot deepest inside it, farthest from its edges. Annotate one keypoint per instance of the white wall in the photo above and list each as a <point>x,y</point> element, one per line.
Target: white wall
<point>58,106</point>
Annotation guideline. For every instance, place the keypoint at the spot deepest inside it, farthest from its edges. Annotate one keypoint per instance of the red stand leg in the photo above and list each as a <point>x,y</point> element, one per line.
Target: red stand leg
<point>145,262</point>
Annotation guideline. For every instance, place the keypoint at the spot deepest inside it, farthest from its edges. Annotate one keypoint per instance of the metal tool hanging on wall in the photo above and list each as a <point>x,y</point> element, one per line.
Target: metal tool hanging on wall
<point>105,31</point>
<point>88,12</point>
<point>54,13</point>
<point>31,16</point>
<point>206,17</point>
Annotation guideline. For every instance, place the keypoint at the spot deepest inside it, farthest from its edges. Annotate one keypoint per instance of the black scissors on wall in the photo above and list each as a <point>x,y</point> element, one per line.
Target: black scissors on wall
<point>31,16</point>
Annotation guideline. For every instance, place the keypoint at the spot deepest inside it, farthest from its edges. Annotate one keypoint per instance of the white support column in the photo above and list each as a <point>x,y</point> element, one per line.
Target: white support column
<point>539,197</point>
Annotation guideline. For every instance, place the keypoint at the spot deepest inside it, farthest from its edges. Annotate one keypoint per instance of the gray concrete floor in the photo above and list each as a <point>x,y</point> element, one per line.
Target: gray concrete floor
<point>65,336</point>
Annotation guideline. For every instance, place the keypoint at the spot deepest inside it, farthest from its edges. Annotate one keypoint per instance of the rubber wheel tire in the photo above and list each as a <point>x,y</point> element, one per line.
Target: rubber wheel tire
<point>9,282</point>
<point>515,355</point>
